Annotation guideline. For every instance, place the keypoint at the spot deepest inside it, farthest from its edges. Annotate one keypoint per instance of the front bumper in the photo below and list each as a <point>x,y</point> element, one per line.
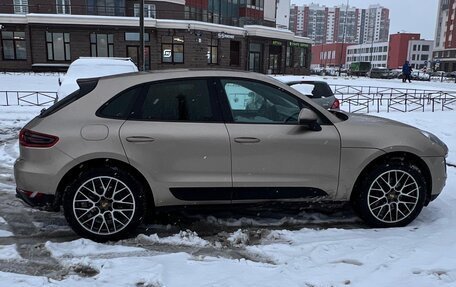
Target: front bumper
<point>438,170</point>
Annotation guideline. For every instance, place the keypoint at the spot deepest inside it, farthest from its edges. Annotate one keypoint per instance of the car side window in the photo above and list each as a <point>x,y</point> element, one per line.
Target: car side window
<point>177,100</point>
<point>255,102</point>
<point>119,106</point>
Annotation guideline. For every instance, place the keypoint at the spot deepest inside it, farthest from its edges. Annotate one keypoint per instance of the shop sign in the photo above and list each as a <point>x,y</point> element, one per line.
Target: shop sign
<point>224,35</point>
<point>276,43</point>
<point>299,45</point>
<point>167,53</point>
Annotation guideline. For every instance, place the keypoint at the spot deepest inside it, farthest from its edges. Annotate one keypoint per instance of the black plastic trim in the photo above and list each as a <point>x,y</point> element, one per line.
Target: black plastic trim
<point>85,87</point>
<point>244,193</point>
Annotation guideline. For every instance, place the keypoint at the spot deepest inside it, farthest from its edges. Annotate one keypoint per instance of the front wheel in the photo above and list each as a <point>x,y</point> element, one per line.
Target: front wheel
<point>391,195</point>
<point>104,203</point>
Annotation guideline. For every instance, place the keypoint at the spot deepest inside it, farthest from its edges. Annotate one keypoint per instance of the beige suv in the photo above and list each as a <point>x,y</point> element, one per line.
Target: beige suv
<point>122,146</point>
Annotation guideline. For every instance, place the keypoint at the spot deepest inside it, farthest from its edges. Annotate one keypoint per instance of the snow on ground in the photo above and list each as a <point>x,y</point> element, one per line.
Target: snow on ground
<point>85,247</point>
<point>184,238</point>
<point>421,254</point>
<point>9,252</point>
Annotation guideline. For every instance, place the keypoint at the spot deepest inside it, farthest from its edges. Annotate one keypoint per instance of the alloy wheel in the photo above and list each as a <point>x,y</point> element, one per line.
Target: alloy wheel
<point>393,196</point>
<point>104,205</point>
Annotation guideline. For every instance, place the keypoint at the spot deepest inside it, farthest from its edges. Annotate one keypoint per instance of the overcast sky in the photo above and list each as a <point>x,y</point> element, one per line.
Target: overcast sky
<point>414,16</point>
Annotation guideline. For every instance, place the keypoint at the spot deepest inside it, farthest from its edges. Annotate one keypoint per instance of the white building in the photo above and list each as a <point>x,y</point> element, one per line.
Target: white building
<point>376,53</point>
<point>420,53</point>
<point>283,14</point>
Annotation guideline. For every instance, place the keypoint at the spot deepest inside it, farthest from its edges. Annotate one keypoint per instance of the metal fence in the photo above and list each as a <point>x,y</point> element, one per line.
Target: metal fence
<point>27,98</point>
<point>367,99</point>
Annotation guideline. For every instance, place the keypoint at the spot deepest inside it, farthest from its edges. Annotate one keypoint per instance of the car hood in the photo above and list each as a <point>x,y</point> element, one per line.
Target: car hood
<point>363,131</point>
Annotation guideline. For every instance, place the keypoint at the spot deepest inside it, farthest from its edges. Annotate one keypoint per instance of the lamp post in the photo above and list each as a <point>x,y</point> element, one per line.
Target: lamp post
<point>343,37</point>
<point>141,60</point>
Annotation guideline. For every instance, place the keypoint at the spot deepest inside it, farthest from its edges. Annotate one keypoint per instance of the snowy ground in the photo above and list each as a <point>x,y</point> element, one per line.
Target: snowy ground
<point>284,248</point>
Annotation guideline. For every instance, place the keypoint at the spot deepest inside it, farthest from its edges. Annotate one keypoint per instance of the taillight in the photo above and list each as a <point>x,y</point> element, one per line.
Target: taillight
<point>30,138</point>
<point>335,105</point>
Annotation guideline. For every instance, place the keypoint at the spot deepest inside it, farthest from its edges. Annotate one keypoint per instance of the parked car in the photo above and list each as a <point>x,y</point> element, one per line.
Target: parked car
<point>381,73</point>
<point>124,146</point>
<point>318,91</point>
<point>420,76</point>
<point>90,67</point>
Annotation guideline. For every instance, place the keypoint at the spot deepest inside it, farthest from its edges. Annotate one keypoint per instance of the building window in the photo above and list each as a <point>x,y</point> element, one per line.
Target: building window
<point>288,61</point>
<point>172,49</point>
<point>134,37</point>
<point>425,48</point>
<point>14,46</point>
<point>302,58</point>
<point>106,7</point>
<point>424,57</point>
<point>212,51</point>
<point>58,46</point>
<point>255,54</point>
<point>413,57</point>
<point>149,10</point>
<point>101,45</point>
<point>20,6</point>
<point>63,6</point>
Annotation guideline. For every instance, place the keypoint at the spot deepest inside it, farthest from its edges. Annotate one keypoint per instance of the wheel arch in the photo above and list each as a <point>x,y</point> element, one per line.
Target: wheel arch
<point>103,162</point>
<point>403,156</point>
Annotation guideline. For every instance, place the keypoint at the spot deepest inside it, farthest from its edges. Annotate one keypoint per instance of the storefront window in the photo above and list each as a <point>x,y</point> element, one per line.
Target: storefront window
<point>255,52</point>
<point>58,46</point>
<point>172,49</point>
<point>235,53</point>
<point>102,45</point>
<point>14,46</point>
<point>212,51</point>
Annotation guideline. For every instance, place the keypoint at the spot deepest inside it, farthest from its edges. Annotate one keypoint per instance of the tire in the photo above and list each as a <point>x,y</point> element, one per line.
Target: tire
<point>104,203</point>
<point>392,194</point>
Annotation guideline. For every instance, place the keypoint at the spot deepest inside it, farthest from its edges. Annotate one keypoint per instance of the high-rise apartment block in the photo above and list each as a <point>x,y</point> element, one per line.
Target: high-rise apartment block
<point>445,37</point>
<point>340,24</point>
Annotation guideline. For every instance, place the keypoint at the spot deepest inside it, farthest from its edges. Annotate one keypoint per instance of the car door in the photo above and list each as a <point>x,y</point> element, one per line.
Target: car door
<point>178,141</point>
<point>274,158</point>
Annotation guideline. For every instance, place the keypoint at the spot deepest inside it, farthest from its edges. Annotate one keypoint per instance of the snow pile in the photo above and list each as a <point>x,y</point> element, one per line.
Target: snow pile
<point>9,252</point>
<point>183,238</point>
<point>85,247</point>
<point>239,238</point>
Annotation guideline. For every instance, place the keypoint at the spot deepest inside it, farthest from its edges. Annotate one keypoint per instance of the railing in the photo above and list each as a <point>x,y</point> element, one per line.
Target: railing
<point>25,98</point>
<point>367,99</point>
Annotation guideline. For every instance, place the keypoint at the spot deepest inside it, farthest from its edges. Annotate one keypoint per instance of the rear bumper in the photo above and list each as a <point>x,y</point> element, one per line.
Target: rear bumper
<point>37,200</point>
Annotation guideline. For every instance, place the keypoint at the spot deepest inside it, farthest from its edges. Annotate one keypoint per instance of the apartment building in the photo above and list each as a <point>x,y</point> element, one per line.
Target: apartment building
<point>339,24</point>
<point>238,34</point>
<point>445,37</point>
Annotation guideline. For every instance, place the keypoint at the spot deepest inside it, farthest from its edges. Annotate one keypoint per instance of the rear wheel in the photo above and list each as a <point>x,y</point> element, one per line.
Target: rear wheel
<point>391,195</point>
<point>104,203</point>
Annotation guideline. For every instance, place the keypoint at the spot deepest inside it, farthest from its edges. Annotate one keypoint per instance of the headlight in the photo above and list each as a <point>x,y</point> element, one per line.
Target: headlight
<point>434,139</point>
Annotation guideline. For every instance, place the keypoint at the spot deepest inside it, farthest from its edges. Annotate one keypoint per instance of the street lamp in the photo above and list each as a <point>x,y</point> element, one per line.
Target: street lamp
<point>141,58</point>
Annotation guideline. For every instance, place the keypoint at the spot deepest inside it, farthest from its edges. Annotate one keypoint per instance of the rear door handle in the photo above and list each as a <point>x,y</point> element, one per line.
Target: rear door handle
<point>140,139</point>
<point>247,140</point>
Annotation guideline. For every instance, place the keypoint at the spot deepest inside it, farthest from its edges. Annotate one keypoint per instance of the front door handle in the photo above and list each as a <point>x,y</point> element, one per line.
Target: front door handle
<point>246,140</point>
<point>140,139</point>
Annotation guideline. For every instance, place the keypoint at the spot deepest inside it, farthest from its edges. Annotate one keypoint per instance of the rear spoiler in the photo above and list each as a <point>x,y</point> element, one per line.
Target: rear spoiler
<point>86,85</point>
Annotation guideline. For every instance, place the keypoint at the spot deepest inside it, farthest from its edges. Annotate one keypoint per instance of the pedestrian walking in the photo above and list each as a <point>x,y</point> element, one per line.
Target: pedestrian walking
<point>406,72</point>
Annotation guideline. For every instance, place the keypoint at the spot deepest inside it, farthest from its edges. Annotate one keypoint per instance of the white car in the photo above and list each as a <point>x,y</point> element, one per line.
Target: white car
<point>92,67</point>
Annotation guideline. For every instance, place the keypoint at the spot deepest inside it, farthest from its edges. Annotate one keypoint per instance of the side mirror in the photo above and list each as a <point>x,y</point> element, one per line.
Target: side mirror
<point>309,119</point>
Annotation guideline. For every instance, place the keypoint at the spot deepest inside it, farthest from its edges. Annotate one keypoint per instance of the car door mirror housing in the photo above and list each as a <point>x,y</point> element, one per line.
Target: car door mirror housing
<point>309,119</point>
